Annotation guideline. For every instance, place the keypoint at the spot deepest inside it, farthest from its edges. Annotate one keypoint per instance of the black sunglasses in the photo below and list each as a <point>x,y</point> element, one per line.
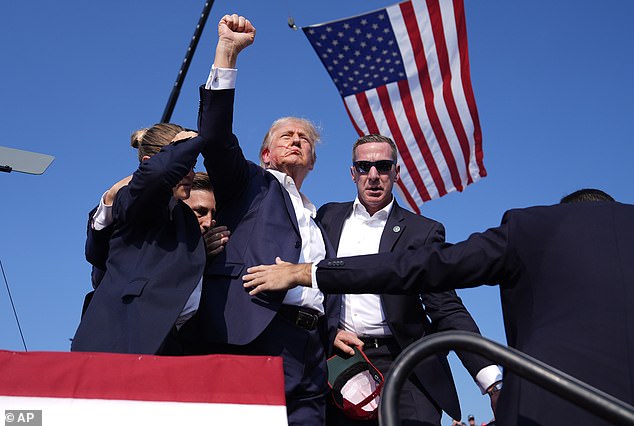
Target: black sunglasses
<point>382,166</point>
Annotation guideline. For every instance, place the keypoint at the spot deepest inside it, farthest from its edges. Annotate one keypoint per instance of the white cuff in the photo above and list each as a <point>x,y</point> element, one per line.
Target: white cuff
<point>487,376</point>
<point>221,78</point>
<point>103,215</point>
<point>313,275</point>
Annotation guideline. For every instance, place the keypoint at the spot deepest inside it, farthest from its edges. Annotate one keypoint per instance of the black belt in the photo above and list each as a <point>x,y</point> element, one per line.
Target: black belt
<point>301,317</point>
<point>375,342</point>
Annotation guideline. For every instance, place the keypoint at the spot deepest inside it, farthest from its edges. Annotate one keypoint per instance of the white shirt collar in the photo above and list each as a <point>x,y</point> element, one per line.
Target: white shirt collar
<point>289,184</point>
<point>360,211</point>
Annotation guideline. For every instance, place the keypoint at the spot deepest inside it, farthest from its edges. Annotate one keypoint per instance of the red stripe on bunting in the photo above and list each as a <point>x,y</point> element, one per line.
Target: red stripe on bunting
<point>226,379</point>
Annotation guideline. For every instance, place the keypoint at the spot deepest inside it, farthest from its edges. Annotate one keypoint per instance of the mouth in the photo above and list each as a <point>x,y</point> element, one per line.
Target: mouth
<point>374,191</point>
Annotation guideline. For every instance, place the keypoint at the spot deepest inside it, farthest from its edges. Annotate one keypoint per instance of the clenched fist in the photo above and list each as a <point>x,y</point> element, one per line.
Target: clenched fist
<point>234,34</point>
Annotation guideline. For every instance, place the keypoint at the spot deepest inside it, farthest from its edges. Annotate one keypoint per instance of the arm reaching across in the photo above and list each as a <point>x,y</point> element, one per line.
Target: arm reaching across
<point>281,276</point>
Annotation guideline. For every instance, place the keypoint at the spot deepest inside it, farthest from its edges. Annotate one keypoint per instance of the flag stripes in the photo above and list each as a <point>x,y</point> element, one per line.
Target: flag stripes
<point>403,72</point>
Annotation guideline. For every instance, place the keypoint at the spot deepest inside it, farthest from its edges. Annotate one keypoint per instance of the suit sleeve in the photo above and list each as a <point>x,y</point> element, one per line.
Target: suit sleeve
<point>226,165</point>
<point>150,189</point>
<point>447,312</point>
<point>97,248</point>
<point>478,260</point>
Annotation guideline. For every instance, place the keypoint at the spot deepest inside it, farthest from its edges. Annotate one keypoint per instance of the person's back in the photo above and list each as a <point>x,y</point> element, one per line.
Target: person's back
<point>567,295</point>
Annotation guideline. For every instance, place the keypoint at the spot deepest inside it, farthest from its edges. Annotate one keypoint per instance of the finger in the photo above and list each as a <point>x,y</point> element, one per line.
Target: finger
<point>254,269</point>
<point>249,27</point>
<point>278,261</point>
<point>215,251</point>
<point>241,24</point>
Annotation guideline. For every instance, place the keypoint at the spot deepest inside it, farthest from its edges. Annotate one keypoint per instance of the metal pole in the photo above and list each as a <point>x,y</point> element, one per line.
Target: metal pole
<point>603,405</point>
<point>176,90</point>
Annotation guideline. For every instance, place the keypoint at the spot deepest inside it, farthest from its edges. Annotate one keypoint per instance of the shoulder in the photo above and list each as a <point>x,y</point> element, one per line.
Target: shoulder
<point>416,219</point>
<point>333,209</point>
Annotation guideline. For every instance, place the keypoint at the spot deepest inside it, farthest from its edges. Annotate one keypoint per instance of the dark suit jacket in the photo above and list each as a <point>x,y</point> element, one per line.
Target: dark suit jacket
<point>259,213</point>
<point>154,260</point>
<point>566,276</point>
<point>407,318</point>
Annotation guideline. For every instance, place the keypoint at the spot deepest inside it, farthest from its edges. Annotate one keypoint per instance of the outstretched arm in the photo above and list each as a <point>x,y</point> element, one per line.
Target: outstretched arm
<point>278,277</point>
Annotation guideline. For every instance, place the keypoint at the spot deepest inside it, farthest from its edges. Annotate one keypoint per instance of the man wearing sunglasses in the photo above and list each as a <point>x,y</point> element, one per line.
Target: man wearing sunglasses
<point>382,324</point>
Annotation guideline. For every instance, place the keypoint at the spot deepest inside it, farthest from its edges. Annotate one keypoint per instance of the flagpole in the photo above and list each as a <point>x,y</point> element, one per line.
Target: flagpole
<point>171,102</point>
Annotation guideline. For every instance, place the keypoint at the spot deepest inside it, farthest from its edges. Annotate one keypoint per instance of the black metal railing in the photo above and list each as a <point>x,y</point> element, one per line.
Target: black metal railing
<point>603,405</point>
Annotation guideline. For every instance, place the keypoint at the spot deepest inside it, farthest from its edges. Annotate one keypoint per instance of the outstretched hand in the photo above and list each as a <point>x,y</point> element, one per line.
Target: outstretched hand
<point>278,277</point>
<point>234,34</point>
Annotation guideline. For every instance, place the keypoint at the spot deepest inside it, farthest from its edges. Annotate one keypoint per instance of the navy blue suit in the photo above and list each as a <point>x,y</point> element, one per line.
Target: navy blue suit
<point>406,317</point>
<point>260,215</point>
<point>566,277</point>
<point>155,258</point>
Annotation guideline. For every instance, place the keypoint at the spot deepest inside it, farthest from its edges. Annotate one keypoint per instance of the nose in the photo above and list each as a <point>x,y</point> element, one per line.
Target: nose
<point>205,222</point>
<point>296,140</point>
<point>373,173</point>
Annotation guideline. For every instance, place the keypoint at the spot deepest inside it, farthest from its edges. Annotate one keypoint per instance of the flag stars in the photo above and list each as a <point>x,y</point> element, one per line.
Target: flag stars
<point>359,52</point>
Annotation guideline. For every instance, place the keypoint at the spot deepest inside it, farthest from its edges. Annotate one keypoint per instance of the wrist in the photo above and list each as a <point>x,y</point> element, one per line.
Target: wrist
<point>226,55</point>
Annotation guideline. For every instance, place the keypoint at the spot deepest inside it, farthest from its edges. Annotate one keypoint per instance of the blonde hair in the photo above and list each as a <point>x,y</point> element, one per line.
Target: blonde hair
<point>150,140</point>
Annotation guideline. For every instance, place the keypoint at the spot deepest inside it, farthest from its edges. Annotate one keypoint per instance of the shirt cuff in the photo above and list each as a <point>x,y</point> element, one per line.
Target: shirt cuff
<point>487,376</point>
<point>313,275</point>
<point>221,78</point>
<point>103,215</point>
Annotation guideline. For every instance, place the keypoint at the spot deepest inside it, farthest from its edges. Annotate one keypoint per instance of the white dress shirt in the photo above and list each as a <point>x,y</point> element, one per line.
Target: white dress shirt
<point>313,247</point>
<point>362,314</point>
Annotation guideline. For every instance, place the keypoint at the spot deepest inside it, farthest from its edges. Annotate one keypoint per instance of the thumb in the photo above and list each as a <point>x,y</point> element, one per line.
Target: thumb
<point>278,261</point>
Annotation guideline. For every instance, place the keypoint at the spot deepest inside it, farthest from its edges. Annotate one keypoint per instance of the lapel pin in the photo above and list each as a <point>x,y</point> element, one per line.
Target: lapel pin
<point>396,229</point>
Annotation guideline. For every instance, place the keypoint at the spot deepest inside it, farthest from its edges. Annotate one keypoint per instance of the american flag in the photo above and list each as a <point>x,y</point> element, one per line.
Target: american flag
<point>403,72</point>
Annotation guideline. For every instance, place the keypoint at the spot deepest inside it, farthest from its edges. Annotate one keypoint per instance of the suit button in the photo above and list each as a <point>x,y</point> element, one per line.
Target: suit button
<point>331,263</point>
<point>298,244</point>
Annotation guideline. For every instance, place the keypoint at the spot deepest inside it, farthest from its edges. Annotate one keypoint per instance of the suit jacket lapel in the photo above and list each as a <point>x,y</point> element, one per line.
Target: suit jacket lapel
<point>290,209</point>
<point>394,228</point>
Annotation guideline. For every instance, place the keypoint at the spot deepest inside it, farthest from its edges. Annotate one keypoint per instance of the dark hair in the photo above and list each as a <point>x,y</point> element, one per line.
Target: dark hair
<point>201,182</point>
<point>586,194</point>
<point>374,139</point>
<point>150,140</point>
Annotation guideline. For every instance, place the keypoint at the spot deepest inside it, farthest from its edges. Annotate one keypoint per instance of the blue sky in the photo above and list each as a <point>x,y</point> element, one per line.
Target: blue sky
<point>554,84</point>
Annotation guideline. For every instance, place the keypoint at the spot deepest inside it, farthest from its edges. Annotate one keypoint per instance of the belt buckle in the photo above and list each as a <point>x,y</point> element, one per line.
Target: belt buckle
<point>374,342</point>
<point>306,320</point>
